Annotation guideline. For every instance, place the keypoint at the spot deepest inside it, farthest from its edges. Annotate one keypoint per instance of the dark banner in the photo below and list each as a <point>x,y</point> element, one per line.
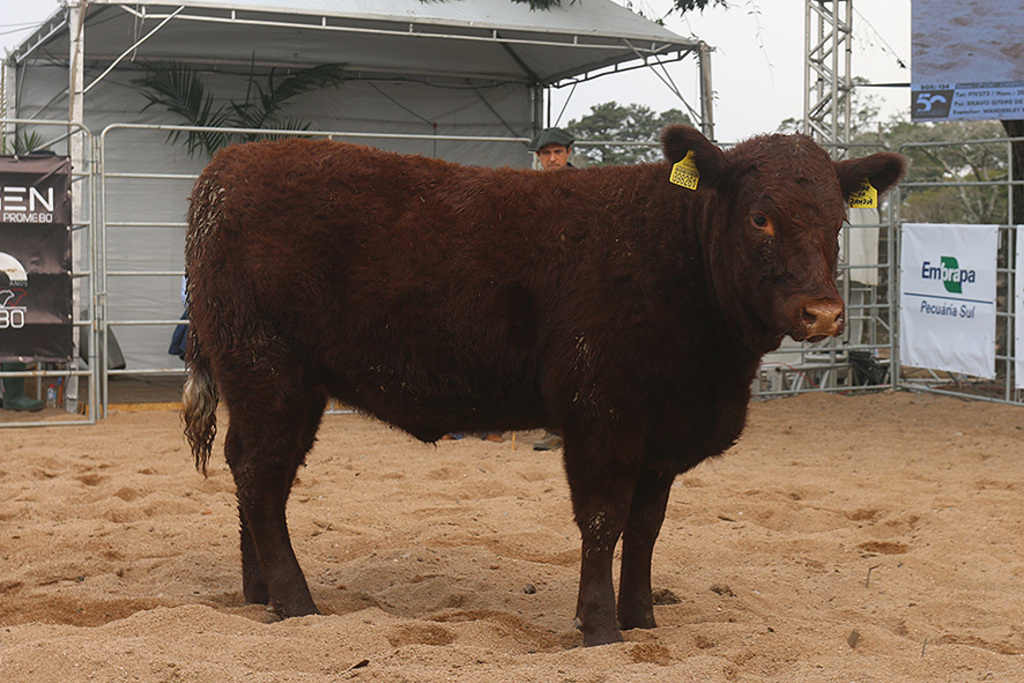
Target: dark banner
<point>35,258</point>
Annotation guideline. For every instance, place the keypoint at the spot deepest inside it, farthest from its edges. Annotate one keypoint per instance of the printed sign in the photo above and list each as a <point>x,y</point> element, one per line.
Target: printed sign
<point>947,298</point>
<point>966,60</point>
<point>969,101</point>
<point>35,258</point>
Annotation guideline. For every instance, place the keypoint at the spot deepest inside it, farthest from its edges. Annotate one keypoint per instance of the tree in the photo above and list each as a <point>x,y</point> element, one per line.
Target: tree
<point>616,124</point>
<point>947,164</point>
<point>22,143</point>
<point>863,113</point>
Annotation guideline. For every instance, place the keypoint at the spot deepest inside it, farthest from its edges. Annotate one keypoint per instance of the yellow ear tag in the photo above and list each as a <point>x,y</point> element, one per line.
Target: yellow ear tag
<point>685,173</point>
<point>864,197</point>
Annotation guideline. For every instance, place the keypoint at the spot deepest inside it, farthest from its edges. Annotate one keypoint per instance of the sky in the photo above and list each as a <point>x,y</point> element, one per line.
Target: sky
<point>757,67</point>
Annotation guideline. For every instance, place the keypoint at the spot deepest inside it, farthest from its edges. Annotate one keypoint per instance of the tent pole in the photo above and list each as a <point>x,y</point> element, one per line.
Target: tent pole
<point>77,141</point>
<point>76,70</point>
<point>8,101</point>
<point>537,97</point>
<point>707,115</point>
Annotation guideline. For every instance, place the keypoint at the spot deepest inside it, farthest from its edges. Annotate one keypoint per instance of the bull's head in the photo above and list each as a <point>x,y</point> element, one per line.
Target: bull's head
<point>773,209</point>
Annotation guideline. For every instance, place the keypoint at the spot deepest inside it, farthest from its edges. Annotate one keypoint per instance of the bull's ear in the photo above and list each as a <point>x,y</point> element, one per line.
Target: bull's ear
<point>677,140</point>
<point>882,170</point>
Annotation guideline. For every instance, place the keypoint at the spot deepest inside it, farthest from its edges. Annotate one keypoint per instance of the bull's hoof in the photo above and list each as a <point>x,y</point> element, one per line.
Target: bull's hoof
<point>636,610</point>
<point>641,618</point>
<point>297,610</point>
<point>593,637</point>
<point>605,637</point>
<point>644,623</point>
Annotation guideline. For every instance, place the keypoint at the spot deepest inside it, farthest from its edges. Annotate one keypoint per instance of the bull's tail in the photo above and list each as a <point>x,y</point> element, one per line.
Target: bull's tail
<point>199,403</point>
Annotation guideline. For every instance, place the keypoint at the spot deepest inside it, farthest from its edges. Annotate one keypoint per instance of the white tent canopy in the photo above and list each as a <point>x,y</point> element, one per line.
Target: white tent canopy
<point>429,71</point>
<point>482,40</point>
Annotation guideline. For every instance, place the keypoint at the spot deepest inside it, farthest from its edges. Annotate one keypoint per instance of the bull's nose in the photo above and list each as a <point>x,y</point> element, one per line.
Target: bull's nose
<point>824,318</point>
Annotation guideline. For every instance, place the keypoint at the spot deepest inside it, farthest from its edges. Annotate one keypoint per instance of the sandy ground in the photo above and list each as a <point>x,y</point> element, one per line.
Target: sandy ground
<point>872,538</point>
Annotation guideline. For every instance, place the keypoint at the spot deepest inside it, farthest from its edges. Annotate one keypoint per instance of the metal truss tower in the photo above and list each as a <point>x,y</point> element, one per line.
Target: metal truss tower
<point>828,36</point>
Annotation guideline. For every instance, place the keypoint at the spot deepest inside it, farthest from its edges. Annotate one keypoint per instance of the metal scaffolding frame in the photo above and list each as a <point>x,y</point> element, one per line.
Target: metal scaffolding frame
<point>828,39</point>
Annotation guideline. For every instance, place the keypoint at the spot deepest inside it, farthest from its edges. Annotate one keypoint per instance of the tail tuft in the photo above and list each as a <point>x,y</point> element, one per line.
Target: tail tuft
<point>199,404</point>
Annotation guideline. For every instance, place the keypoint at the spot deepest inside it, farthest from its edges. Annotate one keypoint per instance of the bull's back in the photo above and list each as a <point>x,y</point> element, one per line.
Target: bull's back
<point>320,206</point>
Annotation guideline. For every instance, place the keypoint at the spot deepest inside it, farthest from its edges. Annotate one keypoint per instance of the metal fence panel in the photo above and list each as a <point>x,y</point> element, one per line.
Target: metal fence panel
<point>977,187</point>
<point>866,357</point>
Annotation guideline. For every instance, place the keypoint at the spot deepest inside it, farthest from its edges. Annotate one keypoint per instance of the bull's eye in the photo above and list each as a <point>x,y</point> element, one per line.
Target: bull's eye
<point>762,223</point>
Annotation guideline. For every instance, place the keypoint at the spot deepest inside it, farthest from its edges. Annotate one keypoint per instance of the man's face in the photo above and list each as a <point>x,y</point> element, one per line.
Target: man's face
<point>553,156</point>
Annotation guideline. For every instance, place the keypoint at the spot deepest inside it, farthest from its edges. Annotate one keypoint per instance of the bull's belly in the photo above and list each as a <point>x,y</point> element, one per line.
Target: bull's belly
<point>430,409</point>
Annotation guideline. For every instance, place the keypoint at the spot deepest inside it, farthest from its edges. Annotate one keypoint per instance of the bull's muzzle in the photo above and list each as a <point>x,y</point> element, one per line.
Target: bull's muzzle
<point>823,318</point>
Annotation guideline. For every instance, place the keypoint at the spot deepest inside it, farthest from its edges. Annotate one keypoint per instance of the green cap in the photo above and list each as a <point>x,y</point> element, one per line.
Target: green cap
<point>558,136</point>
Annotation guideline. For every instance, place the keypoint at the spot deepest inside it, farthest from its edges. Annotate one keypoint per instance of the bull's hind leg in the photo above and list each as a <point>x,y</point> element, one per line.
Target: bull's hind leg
<point>265,446</point>
<point>646,515</point>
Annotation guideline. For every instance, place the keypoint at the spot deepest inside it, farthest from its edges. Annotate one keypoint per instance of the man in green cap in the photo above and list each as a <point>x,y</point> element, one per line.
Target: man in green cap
<point>552,147</point>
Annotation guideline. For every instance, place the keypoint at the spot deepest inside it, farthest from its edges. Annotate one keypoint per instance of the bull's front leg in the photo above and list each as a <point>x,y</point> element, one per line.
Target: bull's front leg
<point>646,515</point>
<point>601,472</point>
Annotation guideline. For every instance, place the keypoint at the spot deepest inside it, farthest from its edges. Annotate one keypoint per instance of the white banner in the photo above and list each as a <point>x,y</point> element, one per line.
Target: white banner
<point>1018,309</point>
<point>947,298</point>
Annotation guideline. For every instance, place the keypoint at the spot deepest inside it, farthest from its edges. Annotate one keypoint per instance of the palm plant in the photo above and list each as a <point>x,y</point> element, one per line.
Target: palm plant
<point>262,108</point>
<point>180,89</point>
<point>22,143</point>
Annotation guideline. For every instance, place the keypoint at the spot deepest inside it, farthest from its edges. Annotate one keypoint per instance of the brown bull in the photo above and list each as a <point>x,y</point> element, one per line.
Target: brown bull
<point>623,309</point>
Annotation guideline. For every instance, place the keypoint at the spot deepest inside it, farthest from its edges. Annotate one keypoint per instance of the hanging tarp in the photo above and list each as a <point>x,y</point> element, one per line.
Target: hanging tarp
<point>35,258</point>
<point>498,41</point>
